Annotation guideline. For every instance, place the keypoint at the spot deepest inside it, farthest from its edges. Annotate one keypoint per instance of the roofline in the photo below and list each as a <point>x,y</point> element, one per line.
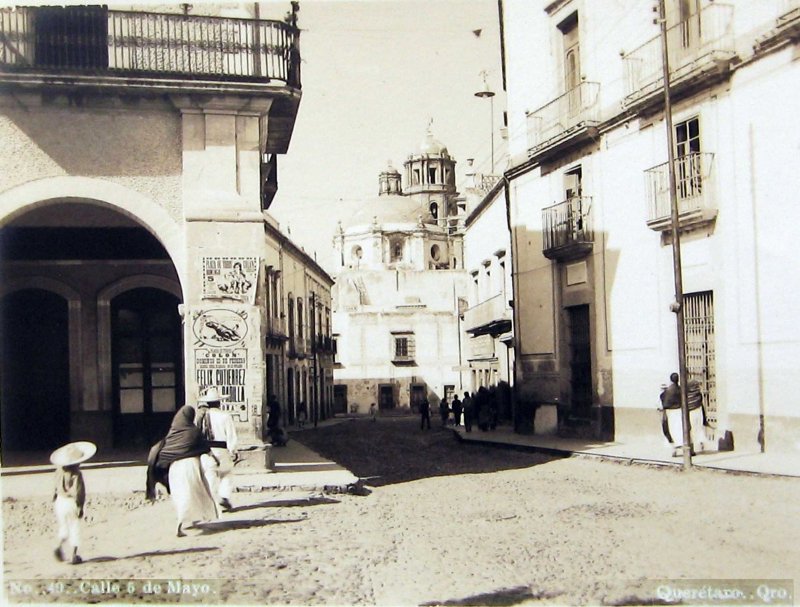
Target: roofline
<point>286,242</point>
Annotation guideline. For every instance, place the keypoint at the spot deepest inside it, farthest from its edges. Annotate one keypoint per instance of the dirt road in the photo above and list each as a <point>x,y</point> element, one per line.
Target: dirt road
<point>444,523</point>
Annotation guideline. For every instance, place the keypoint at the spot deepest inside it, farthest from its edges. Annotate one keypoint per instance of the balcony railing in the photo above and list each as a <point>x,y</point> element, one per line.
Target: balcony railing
<point>696,204</point>
<point>701,46</point>
<point>99,41</point>
<point>786,25</point>
<point>563,117</point>
<point>488,315</point>
<point>567,229</point>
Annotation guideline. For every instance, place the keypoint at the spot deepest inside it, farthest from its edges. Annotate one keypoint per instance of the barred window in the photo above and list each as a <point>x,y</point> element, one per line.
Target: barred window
<point>404,346</point>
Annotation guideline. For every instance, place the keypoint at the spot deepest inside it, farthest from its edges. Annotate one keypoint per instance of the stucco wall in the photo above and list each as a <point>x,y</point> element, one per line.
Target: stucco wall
<point>138,147</point>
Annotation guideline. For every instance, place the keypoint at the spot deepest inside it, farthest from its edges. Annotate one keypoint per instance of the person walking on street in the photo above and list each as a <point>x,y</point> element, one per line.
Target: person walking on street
<point>469,411</point>
<point>180,454</point>
<point>425,414</point>
<point>373,412</point>
<point>671,404</point>
<point>302,415</point>
<point>274,430</point>
<point>457,409</point>
<point>444,412</point>
<point>218,429</point>
<point>70,495</point>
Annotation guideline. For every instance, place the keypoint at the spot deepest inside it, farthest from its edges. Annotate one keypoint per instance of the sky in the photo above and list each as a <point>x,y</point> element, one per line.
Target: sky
<point>375,73</point>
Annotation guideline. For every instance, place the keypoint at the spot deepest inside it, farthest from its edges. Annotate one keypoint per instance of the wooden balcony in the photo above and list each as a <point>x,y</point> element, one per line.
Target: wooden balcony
<point>568,120</point>
<point>91,50</point>
<point>700,52</point>
<point>693,186</point>
<point>567,229</point>
<point>492,316</point>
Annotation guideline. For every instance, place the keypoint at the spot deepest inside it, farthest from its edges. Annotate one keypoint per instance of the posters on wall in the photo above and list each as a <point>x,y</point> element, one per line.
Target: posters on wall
<point>230,278</point>
<point>220,332</point>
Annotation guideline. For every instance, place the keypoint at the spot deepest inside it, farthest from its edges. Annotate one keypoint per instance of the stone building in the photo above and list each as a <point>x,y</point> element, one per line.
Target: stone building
<point>589,208</point>
<point>139,262</point>
<point>399,279</point>
<point>488,341</point>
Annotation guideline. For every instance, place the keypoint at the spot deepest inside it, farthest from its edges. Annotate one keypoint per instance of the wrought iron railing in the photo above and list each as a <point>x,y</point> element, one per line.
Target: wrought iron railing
<point>692,186</point>
<point>694,45</point>
<point>576,108</point>
<point>154,44</point>
<point>567,223</point>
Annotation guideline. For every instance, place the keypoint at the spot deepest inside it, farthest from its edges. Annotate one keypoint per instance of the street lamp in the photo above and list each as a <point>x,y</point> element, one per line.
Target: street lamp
<point>483,94</point>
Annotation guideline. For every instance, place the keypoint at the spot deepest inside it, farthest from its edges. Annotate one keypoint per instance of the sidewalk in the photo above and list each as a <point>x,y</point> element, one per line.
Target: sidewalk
<point>780,463</point>
<point>294,467</point>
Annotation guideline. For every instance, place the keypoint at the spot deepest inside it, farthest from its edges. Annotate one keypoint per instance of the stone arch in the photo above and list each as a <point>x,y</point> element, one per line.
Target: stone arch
<point>138,207</point>
<point>73,299</point>
<point>104,298</point>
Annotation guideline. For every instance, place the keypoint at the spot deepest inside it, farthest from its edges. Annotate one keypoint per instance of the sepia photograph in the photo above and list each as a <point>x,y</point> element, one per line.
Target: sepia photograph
<point>400,302</point>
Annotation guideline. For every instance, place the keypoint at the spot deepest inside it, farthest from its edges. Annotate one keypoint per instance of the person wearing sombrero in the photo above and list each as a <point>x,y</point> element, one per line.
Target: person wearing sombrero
<point>69,496</point>
<point>180,454</point>
<point>218,429</point>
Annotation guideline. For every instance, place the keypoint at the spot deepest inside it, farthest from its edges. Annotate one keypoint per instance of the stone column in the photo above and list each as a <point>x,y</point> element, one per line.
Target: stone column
<point>224,311</point>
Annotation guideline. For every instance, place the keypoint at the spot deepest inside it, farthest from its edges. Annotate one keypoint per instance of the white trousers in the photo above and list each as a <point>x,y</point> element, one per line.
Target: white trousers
<point>69,525</point>
<point>218,476</point>
<point>697,432</point>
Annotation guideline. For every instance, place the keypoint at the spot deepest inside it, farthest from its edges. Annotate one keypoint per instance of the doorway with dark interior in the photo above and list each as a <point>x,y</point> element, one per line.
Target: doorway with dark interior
<point>147,365</point>
<point>34,384</point>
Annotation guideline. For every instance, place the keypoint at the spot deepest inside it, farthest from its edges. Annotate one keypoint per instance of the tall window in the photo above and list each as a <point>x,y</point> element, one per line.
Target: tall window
<point>290,302</point>
<point>396,250</point>
<point>689,18</point>
<point>688,161</point>
<point>300,322</point>
<point>276,311</point>
<point>571,48</point>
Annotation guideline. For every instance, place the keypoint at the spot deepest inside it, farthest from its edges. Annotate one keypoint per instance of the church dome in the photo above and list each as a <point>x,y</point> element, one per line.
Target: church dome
<point>389,209</point>
<point>432,145</point>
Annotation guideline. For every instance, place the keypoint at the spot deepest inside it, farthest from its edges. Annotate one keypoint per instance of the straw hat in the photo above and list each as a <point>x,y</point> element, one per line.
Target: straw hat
<point>73,453</point>
<point>212,395</point>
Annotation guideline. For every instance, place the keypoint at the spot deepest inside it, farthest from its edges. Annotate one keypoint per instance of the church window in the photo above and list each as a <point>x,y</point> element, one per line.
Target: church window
<point>404,347</point>
<point>436,252</point>
<point>356,254</point>
<point>434,210</point>
<point>415,177</point>
<point>432,175</point>
<point>396,250</point>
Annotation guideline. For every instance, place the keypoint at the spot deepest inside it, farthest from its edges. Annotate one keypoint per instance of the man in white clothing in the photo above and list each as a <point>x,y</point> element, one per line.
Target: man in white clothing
<point>218,428</point>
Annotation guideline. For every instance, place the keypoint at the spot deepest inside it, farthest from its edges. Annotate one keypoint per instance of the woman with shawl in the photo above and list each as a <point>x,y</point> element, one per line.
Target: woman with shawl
<point>183,446</point>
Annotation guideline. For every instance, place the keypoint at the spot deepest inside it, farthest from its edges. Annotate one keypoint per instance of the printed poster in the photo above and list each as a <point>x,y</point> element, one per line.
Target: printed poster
<point>232,278</point>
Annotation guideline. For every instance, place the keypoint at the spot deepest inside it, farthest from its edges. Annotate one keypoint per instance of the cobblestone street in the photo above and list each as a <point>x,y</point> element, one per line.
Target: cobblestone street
<point>443,523</point>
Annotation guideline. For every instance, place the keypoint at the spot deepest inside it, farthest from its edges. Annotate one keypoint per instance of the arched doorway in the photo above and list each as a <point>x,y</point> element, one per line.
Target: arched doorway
<point>35,371</point>
<point>146,365</point>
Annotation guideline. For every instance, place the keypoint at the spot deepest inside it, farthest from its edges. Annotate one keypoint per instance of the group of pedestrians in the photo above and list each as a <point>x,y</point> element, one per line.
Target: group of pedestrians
<point>194,463</point>
<point>195,460</point>
<point>478,408</point>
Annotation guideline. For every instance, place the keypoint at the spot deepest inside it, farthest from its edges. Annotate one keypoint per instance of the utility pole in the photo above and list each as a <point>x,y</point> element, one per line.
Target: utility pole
<point>677,305</point>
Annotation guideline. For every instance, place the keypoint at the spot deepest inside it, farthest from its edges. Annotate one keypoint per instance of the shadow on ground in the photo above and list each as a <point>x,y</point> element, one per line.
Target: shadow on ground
<point>152,553</point>
<point>220,526</point>
<point>501,597</point>
<point>395,450</point>
<point>287,503</point>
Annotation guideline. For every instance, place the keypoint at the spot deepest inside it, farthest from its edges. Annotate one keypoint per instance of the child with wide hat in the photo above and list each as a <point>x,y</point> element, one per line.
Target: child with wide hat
<point>69,496</point>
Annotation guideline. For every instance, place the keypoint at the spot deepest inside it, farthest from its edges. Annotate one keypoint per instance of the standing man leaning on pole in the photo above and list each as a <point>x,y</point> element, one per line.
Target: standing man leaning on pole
<point>217,427</point>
